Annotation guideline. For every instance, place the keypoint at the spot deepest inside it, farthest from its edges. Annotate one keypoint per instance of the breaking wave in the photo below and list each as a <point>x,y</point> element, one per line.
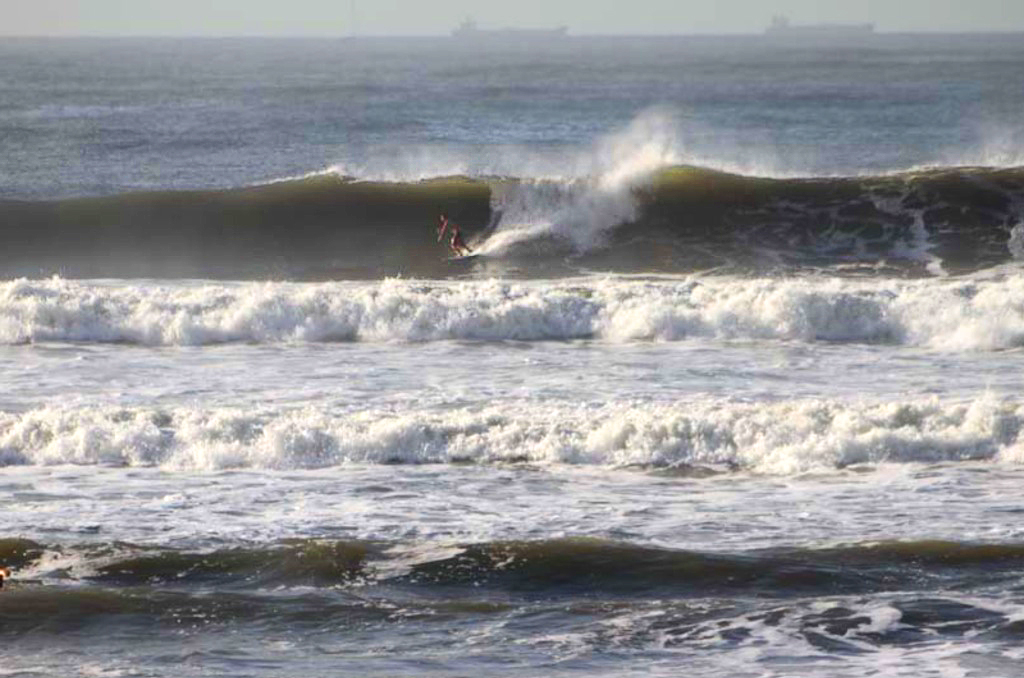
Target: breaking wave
<point>983,313</point>
<point>643,213</point>
<point>702,436</point>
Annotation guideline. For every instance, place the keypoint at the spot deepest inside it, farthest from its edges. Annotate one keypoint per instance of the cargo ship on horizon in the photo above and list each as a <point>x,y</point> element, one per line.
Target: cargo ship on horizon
<point>781,25</point>
<point>469,29</point>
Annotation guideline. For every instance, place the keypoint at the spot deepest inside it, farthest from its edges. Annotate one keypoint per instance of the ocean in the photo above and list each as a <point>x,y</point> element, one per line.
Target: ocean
<point>731,387</point>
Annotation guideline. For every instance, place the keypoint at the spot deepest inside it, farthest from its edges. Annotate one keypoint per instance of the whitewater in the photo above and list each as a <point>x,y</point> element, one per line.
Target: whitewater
<point>984,313</point>
<point>732,386</point>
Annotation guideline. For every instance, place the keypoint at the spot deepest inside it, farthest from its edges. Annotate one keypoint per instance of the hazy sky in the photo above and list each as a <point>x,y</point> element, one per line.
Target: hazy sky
<point>427,17</point>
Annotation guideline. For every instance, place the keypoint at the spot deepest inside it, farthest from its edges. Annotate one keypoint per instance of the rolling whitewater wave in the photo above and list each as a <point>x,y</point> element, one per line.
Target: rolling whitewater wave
<point>699,437</point>
<point>637,216</point>
<point>978,313</point>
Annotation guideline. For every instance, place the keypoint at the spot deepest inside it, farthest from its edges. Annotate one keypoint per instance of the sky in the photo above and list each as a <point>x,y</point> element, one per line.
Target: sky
<point>438,17</point>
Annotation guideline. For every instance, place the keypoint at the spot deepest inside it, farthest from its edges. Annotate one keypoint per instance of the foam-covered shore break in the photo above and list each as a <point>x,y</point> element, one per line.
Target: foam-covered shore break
<point>983,313</point>
<point>782,438</point>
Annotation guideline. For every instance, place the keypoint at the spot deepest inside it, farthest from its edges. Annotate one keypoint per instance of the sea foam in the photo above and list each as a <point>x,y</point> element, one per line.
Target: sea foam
<point>784,438</point>
<point>949,315</point>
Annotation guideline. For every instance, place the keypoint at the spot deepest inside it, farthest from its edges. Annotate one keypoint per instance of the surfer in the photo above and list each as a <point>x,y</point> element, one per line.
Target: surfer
<point>5,574</point>
<point>457,244</point>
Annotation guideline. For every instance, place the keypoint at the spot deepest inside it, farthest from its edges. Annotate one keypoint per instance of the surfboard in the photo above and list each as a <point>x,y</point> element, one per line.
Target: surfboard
<point>464,257</point>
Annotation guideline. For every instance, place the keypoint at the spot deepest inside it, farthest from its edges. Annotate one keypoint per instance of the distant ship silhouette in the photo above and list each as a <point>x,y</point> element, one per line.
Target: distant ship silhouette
<point>469,29</point>
<point>781,26</point>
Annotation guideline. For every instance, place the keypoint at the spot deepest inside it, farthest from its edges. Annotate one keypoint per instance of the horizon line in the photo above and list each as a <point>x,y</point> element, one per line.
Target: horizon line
<point>427,36</point>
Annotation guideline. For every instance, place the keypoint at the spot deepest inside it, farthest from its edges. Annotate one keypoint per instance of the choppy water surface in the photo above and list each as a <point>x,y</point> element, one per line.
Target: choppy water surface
<point>732,388</point>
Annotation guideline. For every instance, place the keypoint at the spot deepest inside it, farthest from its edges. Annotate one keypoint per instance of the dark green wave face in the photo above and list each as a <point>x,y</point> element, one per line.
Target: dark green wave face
<point>319,227</point>
<point>684,219</point>
<point>569,566</point>
<point>16,552</point>
<point>960,218</point>
<point>299,563</point>
<point>335,597</point>
<point>343,594</point>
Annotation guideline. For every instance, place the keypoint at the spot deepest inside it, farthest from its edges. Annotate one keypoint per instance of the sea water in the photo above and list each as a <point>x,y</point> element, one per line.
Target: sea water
<point>732,390</point>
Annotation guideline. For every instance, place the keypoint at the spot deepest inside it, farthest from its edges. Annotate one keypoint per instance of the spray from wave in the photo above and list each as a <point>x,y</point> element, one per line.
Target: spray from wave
<point>599,195</point>
<point>998,143</point>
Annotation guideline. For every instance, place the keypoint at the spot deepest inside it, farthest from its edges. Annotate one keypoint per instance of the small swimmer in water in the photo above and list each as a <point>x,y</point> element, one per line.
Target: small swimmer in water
<point>457,244</point>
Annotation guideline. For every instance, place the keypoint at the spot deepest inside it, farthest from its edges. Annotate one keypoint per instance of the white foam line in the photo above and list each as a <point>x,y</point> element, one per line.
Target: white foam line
<point>980,313</point>
<point>783,438</point>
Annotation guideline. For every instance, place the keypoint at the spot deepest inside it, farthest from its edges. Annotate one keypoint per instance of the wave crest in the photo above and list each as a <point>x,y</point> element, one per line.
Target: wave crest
<point>640,214</point>
<point>782,438</point>
<point>962,314</point>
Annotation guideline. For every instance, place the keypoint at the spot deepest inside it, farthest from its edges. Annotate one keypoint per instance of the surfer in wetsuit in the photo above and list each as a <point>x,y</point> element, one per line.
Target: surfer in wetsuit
<point>457,244</point>
<point>5,574</point>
